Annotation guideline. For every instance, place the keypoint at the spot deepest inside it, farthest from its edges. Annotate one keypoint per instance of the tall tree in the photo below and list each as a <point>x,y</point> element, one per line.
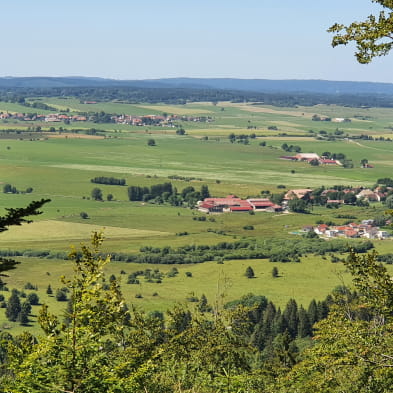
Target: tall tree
<point>96,194</point>
<point>291,315</point>
<point>13,306</point>
<point>205,191</point>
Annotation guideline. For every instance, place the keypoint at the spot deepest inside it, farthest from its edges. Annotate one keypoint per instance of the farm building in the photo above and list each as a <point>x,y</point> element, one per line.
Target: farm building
<point>299,194</point>
<point>234,204</point>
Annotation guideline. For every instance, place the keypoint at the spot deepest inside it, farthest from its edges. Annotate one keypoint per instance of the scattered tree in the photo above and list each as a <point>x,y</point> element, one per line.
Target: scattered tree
<point>61,295</point>
<point>275,272</point>
<point>33,299</point>
<point>13,306</point>
<point>84,215</point>
<point>96,194</point>
<point>23,316</point>
<point>249,272</point>
<point>363,162</point>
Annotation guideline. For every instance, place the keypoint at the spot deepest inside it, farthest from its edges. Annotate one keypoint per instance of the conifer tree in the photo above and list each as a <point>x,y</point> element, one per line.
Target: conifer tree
<point>291,316</point>
<point>17,216</point>
<point>304,326</point>
<point>202,305</point>
<point>23,316</point>
<point>13,306</point>
<point>249,272</point>
<point>313,312</point>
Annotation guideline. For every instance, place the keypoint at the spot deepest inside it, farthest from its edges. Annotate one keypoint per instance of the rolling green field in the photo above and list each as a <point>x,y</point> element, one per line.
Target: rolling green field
<point>60,166</point>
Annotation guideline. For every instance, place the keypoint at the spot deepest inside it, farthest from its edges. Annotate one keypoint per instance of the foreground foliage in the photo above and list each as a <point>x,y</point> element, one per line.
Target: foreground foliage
<point>246,346</point>
<point>354,344</point>
<point>373,36</point>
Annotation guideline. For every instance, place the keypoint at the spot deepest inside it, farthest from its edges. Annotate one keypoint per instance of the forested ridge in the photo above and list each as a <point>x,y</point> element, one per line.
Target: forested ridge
<point>176,95</point>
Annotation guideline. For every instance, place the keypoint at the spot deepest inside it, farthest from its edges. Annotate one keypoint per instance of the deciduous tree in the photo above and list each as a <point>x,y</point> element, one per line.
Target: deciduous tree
<point>373,36</point>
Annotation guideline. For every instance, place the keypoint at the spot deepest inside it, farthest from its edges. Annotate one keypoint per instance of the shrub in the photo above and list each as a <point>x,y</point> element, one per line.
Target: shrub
<point>33,299</point>
<point>29,285</point>
<point>61,296</point>
<point>84,215</point>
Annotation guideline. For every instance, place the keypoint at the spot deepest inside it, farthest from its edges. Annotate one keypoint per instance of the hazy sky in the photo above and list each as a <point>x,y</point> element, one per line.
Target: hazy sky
<point>139,39</point>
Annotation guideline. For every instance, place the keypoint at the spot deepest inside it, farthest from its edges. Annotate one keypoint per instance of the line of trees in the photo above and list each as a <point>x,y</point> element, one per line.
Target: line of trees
<point>108,180</point>
<point>166,192</point>
<point>10,189</point>
<point>274,250</point>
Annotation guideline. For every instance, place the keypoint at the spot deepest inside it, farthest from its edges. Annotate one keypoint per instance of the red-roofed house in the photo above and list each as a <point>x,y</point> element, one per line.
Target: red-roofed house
<point>326,161</point>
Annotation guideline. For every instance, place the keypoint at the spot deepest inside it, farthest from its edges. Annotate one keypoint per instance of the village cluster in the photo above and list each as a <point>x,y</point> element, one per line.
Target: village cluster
<point>366,229</point>
<point>145,120</point>
<point>232,203</point>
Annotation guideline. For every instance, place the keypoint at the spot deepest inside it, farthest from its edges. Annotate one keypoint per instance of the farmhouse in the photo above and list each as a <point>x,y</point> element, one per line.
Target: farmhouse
<point>326,161</point>
<point>232,204</point>
<point>299,194</point>
<point>220,205</point>
<point>263,204</point>
<point>369,195</point>
<point>307,156</point>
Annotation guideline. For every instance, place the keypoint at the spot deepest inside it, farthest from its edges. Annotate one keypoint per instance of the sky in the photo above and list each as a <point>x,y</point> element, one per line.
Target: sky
<point>147,39</point>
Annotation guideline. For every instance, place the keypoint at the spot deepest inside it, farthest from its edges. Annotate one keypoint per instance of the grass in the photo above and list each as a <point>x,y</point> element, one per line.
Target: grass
<point>313,277</point>
<point>61,169</point>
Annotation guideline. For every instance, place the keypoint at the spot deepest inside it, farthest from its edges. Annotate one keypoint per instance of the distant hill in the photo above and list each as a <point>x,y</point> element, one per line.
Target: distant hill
<point>252,85</point>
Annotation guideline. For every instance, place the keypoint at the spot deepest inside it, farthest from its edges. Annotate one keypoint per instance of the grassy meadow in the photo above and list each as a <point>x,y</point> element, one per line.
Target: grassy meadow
<point>59,166</point>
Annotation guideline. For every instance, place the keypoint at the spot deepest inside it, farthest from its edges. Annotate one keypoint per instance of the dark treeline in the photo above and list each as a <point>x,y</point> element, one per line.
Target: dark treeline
<point>108,180</point>
<point>183,95</point>
<point>274,250</point>
<point>136,193</point>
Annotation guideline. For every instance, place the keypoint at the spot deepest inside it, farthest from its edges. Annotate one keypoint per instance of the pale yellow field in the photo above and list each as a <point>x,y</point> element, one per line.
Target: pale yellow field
<point>65,135</point>
<point>59,230</point>
<point>176,110</point>
<point>260,109</point>
<point>285,123</point>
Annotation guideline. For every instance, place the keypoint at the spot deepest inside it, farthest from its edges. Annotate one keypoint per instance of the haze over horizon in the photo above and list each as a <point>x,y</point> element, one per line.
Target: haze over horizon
<point>206,39</point>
